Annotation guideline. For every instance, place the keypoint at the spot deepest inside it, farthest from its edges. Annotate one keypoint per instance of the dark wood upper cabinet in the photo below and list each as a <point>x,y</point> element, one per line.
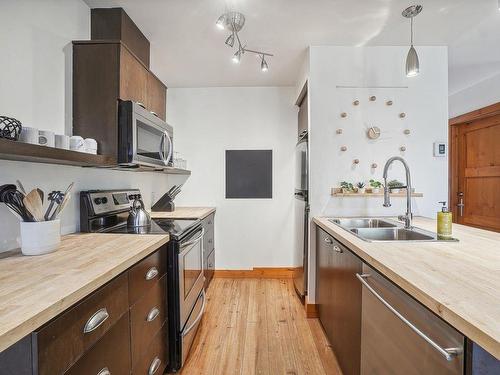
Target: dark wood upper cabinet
<point>133,78</point>
<point>156,96</point>
<point>103,72</point>
<point>115,24</point>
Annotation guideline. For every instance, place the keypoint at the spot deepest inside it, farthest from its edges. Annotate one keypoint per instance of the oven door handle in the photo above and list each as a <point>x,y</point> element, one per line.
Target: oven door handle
<point>192,242</point>
<point>188,329</point>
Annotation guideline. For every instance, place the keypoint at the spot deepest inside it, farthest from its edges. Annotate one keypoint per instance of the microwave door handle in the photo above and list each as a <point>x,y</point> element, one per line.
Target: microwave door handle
<point>170,148</point>
<point>162,148</point>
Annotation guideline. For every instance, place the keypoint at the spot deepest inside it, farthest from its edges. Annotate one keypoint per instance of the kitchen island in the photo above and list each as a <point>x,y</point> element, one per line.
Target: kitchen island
<point>458,281</point>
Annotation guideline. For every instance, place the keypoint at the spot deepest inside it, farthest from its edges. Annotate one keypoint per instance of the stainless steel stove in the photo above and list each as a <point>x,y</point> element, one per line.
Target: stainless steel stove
<point>106,211</point>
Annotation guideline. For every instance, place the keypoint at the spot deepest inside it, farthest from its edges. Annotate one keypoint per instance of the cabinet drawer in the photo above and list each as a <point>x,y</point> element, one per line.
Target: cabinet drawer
<point>208,240</point>
<point>61,342</point>
<point>146,273</point>
<point>154,360</point>
<point>147,317</point>
<point>111,352</point>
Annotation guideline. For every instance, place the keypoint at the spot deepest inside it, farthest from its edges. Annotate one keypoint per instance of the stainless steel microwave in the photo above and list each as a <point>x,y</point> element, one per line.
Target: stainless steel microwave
<point>143,138</point>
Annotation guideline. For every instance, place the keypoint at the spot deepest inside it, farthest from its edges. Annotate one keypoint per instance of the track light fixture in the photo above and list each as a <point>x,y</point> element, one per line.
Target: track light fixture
<point>412,62</point>
<point>230,40</point>
<point>263,64</point>
<point>234,22</point>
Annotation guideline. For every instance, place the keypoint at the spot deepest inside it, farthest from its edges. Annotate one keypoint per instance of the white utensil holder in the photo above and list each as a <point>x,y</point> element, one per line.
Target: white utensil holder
<point>40,237</point>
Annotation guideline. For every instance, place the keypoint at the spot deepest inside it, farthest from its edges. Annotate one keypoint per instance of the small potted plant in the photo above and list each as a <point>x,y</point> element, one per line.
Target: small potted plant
<point>361,187</point>
<point>375,186</point>
<point>395,186</point>
<point>346,187</point>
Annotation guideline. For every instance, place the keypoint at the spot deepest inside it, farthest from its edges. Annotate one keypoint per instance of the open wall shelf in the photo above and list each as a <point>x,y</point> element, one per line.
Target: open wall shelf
<point>19,151</point>
<point>373,195</point>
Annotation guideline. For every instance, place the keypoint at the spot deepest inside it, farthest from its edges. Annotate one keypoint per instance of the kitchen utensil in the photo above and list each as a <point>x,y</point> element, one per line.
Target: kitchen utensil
<point>7,187</point>
<point>62,141</point>
<point>29,135</point>
<point>55,197</point>
<point>46,138</point>
<point>34,205</point>
<point>138,216</point>
<point>68,189</point>
<point>21,187</point>
<point>61,206</point>
<point>41,194</point>
<point>14,200</point>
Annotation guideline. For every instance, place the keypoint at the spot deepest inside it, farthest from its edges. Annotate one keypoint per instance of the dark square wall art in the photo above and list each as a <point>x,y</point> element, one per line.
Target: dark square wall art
<point>249,174</point>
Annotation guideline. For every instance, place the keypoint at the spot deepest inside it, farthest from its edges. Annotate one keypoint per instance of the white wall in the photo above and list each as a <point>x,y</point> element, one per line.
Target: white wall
<point>35,87</point>
<point>249,232</point>
<point>478,96</point>
<point>35,67</point>
<point>425,103</point>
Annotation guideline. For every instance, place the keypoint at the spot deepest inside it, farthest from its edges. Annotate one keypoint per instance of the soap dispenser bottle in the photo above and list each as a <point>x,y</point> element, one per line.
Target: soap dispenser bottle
<point>444,221</point>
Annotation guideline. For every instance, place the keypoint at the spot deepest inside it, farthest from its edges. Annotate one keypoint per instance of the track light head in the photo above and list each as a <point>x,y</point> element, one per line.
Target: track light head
<point>230,40</point>
<point>221,22</point>
<point>263,64</point>
<point>237,57</point>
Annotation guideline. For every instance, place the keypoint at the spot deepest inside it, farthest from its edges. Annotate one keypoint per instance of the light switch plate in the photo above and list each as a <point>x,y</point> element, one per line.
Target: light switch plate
<point>440,149</point>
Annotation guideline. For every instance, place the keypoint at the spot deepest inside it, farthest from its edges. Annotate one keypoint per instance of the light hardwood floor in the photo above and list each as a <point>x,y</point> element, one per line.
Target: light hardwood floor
<point>258,326</point>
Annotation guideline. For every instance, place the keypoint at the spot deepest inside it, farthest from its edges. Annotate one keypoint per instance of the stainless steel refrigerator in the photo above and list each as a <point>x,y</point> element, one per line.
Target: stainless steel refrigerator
<point>301,215</point>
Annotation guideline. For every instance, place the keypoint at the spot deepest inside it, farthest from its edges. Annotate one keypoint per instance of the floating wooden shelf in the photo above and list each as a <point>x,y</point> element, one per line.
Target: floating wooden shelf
<point>371,195</point>
<point>19,151</point>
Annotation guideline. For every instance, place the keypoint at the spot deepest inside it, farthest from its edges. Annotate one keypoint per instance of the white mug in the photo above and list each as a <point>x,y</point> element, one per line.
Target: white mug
<point>46,138</point>
<point>90,146</point>
<point>76,143</point>
<point>62,141</point>
<point>29,135</point>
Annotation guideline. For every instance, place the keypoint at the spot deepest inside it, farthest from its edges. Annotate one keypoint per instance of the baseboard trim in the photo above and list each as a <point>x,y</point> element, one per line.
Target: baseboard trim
<point>312,310</point>
<point>257,273</point>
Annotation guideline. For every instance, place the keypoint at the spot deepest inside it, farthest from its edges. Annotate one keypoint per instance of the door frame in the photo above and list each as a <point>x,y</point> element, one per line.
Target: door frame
<point>454,155</point>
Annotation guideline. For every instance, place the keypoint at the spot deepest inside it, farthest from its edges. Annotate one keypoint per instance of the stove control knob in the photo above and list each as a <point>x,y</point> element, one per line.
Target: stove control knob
<point>98,200</point>
<point>104,200</point>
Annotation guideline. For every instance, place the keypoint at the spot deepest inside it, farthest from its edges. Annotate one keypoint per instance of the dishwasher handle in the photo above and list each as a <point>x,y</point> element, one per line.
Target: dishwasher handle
<point>448,353</point>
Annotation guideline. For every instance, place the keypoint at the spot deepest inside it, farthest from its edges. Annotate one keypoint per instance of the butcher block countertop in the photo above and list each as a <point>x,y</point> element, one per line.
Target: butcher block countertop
<point>185,213</point>
<point>35,289</point>
<point>459,281</point>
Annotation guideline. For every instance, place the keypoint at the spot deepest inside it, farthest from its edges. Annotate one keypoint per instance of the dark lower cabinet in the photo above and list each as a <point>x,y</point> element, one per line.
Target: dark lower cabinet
<point>118,329</point>
<point>208,224</point>
<point>339,299</point>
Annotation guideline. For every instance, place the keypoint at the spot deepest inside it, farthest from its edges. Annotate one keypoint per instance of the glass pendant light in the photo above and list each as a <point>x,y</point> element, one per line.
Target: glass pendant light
<point>263,64</point>
<point>412,62</point>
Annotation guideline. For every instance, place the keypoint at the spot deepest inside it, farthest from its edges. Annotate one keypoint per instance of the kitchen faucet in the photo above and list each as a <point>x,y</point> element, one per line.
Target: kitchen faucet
<point>407,218</point>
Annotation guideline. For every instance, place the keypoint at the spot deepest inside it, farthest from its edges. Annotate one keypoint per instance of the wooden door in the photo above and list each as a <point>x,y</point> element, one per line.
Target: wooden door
<point>475,172</point>
<point>133,78</point>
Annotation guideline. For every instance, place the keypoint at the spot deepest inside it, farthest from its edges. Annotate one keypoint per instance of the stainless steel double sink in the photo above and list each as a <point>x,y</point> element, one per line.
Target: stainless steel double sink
<point>385,230</point>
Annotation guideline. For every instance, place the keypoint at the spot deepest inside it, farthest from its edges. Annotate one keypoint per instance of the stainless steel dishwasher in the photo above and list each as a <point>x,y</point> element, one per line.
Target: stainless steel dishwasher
<point>401,336</point>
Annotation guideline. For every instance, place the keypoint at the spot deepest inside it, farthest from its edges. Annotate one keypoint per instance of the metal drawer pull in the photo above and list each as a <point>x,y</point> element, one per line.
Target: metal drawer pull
<point>155,365</point>
<point>328,240</point>
<point>337,249</point>
<point>448,353</point>
<point>153,314</point>
<point>152,273</point>
<point>104,371</point>
<point>99,317</point>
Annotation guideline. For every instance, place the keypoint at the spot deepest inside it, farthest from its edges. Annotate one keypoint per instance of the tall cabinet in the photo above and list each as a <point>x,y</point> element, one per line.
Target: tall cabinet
<point>338,294</point>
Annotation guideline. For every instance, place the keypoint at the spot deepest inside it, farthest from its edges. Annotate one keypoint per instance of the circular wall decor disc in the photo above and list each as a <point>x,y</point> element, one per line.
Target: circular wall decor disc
<point>412,11</point>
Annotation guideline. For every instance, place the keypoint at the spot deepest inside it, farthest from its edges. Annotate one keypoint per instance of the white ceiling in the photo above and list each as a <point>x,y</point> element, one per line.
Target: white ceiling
<point>188,51</point>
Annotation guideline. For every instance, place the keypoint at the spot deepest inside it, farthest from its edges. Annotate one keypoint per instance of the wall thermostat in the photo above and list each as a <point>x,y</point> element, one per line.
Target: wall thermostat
<point>440,149</point>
